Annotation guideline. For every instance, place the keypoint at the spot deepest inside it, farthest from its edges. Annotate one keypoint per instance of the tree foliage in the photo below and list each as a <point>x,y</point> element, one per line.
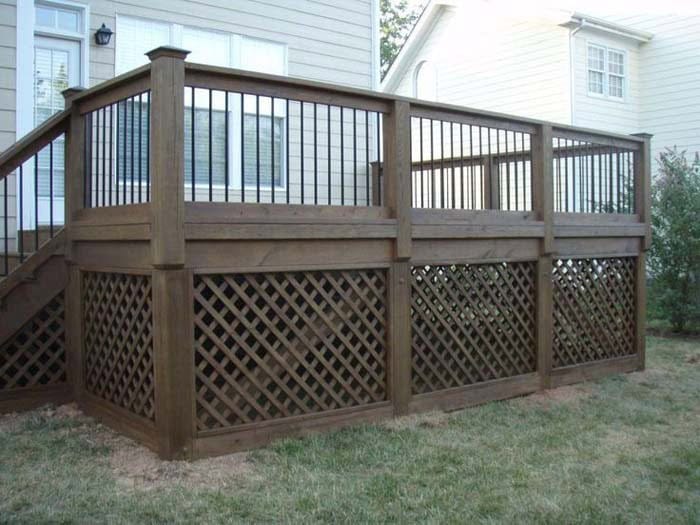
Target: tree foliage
<point>674,258</point>
<point>397,19</point>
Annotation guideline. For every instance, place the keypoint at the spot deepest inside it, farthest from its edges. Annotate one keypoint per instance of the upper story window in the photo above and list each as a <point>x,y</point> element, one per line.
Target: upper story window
<point>58,18</point>
<point>606,71</point>
<point>425,81</point>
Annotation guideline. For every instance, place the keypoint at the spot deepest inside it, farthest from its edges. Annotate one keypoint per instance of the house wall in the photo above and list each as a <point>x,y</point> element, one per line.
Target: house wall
<point>600,111</point>
<point>326,41</point>
<point>670,79</point>
<point>516,64</point>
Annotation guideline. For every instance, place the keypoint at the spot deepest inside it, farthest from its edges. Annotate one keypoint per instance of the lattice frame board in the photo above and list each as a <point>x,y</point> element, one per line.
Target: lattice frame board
<point>35,355</point>
<point>594,309</point>
<point>472,323</point>
<point>118,340</point>
<point>282,344</point>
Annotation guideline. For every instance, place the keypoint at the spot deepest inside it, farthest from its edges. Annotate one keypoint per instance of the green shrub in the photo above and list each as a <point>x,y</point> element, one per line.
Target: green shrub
<point>674,258</point>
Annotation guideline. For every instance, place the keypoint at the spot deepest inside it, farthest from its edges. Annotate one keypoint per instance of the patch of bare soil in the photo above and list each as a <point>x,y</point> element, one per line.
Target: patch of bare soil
<point>570,394</point>
<point>693,359</point>
<point>434,419</point>
<point>136,467</point>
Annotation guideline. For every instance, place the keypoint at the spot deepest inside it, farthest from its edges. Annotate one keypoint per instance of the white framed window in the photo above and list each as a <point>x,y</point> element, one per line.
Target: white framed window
<point>606,71</point>
<point>136,36</point>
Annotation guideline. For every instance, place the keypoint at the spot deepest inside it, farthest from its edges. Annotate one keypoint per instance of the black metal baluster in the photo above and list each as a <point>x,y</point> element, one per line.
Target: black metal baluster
<point>368,166</point>
<point>243,149</point>
<point>96,161</point>
<point>140,151</point>
<point>301,145</point>
<point>133,148</point>
<point>126,161</point>
<point>148,147</point>
<point>211,146</point>
<point>315,154</point>
<point>452,165</point>
<point>515,173</point>
<point>116,167</point>
<point>20,232</point>
<point>6,240</point>
<point>226,152</point>
<point>471,165</point>
<point>36,202</point>
<point>104,156</point>
<point>505,135</point>
<point>272,149</point>
<point>51,190</point>
<point>193,145</point>
<point>354,155</point>
<point>421,171</point>
<point>342,157</point>
<point>111,157</point>
<point>442,164</point>
<point>461,164</point>
<point>287,146</point>
<point>328,130</point>
<point>379,158</point>
<point>433,196</point>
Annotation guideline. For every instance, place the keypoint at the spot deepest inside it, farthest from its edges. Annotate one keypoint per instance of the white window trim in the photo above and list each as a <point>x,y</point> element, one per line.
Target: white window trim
<point>26,31</point>
<point>176,35</point>
<point>606,73</point>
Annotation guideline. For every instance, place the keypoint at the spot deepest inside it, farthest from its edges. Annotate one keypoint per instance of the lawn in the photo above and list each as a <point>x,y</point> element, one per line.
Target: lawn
<point>625,449</point>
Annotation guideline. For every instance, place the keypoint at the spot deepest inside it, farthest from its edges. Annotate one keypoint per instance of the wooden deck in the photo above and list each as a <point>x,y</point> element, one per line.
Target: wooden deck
<point>201,323</point>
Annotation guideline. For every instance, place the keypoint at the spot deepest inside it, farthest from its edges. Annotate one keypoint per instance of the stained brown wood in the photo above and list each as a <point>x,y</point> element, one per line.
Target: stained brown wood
<point>167,159</point>
<point>203,328</point>
<point>174,362</point>
<point>642,195</point>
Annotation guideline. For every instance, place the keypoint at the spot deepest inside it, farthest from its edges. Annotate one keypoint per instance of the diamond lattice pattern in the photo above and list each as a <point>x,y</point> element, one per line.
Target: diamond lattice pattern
<point>274,345</point>
<point>594,310</point>
<point>36,354</point>
<point>118,336</point>
<point>472,323</point>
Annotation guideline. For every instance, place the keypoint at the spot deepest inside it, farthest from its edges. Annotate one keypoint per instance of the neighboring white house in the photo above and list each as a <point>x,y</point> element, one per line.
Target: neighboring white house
<point>627,74</point>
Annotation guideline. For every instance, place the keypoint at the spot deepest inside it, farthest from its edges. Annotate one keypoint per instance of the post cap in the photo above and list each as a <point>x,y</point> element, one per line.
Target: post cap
<point>643,135</point>
<point>71,92</point>
<point>167,51</point>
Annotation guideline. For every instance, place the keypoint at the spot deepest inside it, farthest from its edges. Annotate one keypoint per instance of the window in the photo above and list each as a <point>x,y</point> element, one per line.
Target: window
<point>425,81</point>
<point>58,19</point>
<point>135,37</point>
<point>606,71</point>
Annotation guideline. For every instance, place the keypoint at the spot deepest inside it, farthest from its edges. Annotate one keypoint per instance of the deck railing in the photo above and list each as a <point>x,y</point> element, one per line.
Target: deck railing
<point>278,255</point>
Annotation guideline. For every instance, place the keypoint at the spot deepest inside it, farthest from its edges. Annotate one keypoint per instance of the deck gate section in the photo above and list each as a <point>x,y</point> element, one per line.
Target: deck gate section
<point>251,256</point>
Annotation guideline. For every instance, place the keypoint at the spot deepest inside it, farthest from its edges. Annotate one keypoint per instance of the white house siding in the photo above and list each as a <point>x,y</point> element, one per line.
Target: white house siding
<point>488,59</point>
<point>326,41</point>
<point>670,79</point>
<point>598,111</point>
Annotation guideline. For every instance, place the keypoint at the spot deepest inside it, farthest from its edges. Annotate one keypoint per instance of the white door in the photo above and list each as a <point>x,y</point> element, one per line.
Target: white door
<point>56,67</point>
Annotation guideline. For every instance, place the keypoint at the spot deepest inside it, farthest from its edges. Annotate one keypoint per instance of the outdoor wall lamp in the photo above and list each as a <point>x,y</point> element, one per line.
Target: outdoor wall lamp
<point>103,35</point>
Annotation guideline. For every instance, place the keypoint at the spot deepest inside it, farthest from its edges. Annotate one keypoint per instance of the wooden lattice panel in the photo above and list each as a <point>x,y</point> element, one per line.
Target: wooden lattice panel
<point>594,310</point>
<point>118,334</point>
<point>274,345</point>
<point>472,323</point>
<point>36,354</point>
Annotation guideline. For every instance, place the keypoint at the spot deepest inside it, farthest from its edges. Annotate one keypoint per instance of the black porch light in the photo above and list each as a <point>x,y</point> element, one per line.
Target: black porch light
<point>103,35</point>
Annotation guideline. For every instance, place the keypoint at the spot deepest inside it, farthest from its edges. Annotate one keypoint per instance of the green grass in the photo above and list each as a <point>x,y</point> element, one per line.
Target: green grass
<point>625,449</point>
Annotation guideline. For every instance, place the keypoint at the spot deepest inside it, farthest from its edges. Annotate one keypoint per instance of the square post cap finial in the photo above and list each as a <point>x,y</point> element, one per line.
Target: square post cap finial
<point>643,135</point>
<point>71,92</point>
<point>167,51</point>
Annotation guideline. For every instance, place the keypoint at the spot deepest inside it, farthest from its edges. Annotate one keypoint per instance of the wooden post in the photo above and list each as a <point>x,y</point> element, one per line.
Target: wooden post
<point>74,166</point>
<point>397,192</point>
<point>174,362</point>
<point>74,201</point>
<point>376,183</point>
<point>167,162</point>
<point>172,284</point>
<point>543,207</point>
<point>642,204</point>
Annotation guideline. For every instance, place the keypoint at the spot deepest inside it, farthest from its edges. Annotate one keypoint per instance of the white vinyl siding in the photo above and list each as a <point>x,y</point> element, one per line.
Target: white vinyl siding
<point>497,61</point>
